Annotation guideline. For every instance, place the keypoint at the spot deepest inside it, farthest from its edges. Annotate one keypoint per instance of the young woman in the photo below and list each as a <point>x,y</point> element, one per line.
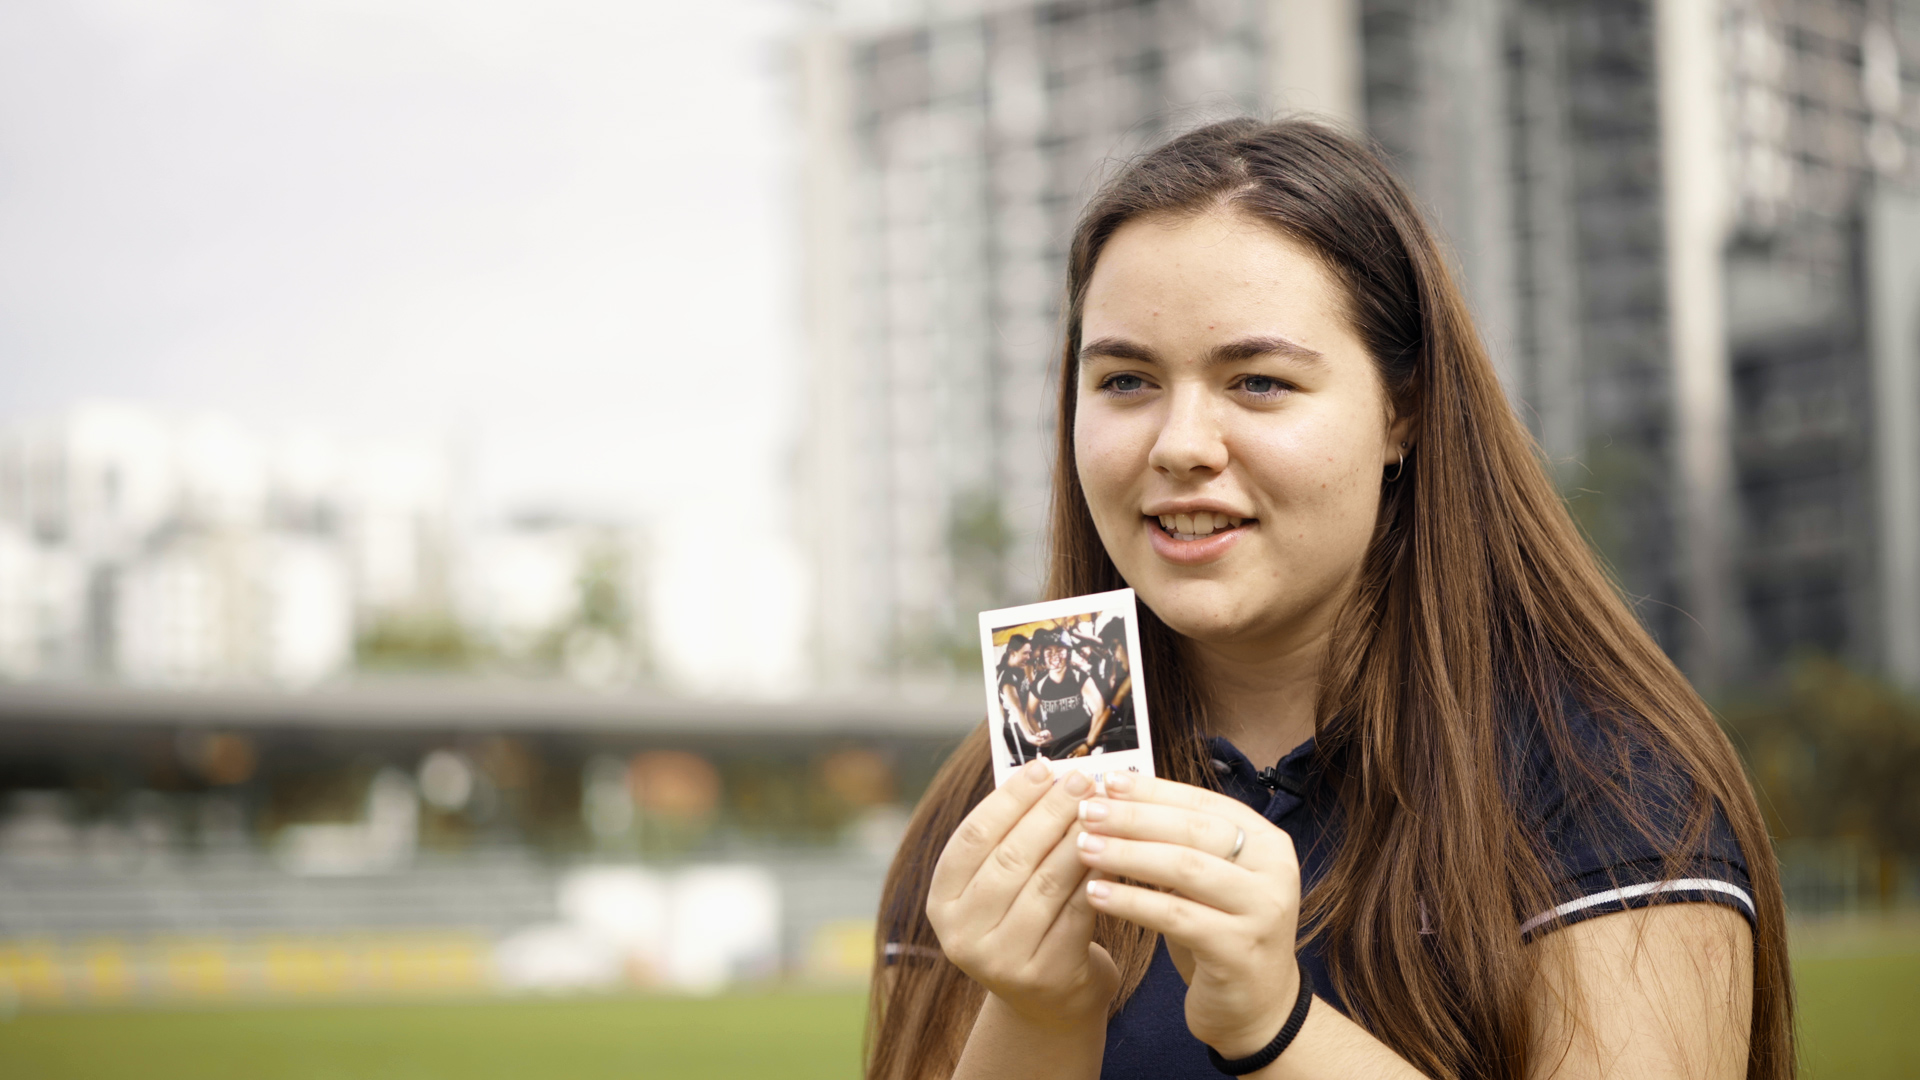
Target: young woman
<point>1421,771</point>
<point>1067,698</point>
<point>1015,685</point>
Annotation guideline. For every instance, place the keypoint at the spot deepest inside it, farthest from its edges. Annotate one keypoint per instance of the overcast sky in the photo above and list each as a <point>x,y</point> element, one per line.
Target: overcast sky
<point>556,233</point>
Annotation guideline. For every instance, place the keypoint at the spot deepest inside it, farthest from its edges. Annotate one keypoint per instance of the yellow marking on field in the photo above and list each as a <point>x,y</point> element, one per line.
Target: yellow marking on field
<point>107,971</point>
<point>297,966</point>
<point>44,972</point>
<point>198,967</point>
<point>426,963</point>
<point>31,969</point>
<point>841,950</point>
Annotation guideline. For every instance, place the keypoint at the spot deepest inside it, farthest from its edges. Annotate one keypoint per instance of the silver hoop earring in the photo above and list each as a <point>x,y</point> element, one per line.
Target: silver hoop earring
<point>1399,466</point>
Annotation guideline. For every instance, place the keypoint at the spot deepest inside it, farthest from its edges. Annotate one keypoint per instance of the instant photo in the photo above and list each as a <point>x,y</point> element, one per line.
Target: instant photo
<point>1064,686</point>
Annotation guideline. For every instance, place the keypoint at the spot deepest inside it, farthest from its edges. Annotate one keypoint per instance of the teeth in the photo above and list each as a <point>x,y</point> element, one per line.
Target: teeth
<point>1198,524</point>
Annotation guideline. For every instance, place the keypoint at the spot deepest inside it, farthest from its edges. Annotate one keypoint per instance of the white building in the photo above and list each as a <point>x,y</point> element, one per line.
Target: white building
<point>172,549</point>
<point>572,590</point>
<point>237,605</point>
<point>43,595</point>
<point>96,480</point>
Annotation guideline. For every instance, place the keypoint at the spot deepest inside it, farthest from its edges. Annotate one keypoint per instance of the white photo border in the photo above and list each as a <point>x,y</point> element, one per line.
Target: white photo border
<point>1121,602</point>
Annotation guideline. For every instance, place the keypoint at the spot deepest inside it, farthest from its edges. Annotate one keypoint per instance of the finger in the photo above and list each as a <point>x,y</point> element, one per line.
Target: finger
<point>1135,788</point>
<point>1261,845</point>
<point>1208,879</point>
<point>1037,906</point>
<point>1066,940</point>
<point>1182,958</point>
<point>1004,872</point>
<point>985,827</point>
<point>1178,919</point>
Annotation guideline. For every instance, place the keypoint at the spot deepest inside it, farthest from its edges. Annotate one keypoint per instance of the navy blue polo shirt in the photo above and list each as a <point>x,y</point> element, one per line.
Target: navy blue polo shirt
<point>1148,1038</point>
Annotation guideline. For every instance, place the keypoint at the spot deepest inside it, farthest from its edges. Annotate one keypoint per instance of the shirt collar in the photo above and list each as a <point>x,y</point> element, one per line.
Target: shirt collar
<point>1239,778</point>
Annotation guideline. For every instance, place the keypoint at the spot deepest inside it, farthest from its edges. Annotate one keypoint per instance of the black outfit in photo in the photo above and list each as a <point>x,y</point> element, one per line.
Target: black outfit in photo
<point>1063,711</point>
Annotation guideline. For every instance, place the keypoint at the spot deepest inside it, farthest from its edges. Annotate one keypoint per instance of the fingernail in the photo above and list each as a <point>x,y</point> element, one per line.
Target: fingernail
<point>1098,890</point>
<point>1091,843</point>
<point>1119,783</point>
<point>1093,810</point>
<point>1076,784</point>
<point>1037,771</point>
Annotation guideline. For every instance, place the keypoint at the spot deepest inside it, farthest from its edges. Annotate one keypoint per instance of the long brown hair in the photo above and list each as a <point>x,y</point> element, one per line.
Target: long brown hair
<point>1478,602</point>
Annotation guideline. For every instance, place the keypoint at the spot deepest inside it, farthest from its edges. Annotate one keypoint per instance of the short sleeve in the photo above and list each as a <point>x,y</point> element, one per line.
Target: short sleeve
<point>1617,828</point>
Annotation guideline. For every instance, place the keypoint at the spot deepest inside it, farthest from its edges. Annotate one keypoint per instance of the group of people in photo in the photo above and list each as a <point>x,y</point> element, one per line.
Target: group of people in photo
<point>1066,691</point>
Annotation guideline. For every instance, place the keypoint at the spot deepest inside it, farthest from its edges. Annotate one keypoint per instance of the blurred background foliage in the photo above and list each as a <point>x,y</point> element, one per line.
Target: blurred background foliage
<point>1835,754</point>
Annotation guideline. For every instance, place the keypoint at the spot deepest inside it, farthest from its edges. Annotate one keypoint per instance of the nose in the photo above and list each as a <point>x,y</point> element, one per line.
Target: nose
<point>1190,440</point>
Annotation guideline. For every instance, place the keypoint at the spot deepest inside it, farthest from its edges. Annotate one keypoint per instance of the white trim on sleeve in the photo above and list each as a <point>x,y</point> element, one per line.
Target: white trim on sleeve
<point>1632,891</point>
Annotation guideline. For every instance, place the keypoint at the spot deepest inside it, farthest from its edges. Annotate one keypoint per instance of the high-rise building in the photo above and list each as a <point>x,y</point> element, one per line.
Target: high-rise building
<point>1532,132</point>
<point>1682,224</point>
<point>1822,266</point>
<point>948,151</point>
<point>1707,295</point>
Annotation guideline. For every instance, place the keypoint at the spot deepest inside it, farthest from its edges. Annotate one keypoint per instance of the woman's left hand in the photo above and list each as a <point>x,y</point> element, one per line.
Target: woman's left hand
<point>1229,923</point>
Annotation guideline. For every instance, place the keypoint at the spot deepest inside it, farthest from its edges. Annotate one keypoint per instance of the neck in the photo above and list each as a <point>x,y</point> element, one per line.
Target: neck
<point>1260,697</point>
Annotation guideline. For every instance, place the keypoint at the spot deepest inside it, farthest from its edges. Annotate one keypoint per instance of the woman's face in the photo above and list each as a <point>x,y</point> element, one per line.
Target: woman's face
<point>1231,431</point>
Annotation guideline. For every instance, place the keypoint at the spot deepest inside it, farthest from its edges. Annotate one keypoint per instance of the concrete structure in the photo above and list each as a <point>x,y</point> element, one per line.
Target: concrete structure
<point>1821,308</point>
<point>1683,226</point>
<point>139,823</point>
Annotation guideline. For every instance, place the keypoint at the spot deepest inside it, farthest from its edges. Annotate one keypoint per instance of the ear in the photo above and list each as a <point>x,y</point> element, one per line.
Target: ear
<point>1401,436</point>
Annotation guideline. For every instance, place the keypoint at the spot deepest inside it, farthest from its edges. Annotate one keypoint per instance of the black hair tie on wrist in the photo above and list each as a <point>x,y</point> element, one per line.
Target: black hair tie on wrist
<point>1264,1057</point>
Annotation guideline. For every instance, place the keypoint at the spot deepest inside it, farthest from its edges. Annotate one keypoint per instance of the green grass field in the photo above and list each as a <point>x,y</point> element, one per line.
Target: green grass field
<point>1860,1018</point>
<point>797,1035</point>
<point>1859,999</point>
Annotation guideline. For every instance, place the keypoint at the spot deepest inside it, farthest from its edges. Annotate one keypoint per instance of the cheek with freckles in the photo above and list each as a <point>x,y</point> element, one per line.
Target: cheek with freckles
<point>1111,460</point>
<point>1321,492</point>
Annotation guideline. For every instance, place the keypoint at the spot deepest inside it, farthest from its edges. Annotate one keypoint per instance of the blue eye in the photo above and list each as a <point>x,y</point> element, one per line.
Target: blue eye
<point>1123,384</point>
<point>1262,385</point>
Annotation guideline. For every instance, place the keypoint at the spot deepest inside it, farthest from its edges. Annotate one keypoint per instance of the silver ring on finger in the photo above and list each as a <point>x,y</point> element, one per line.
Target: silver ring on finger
<point>1239,841</point>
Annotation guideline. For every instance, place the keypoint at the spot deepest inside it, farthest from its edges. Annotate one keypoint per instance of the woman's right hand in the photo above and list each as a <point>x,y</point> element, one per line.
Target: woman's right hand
<point>1009,905</point>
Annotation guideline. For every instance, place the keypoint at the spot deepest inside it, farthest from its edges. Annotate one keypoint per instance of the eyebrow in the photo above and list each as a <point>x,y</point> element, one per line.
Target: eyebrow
<point>1114,348</point>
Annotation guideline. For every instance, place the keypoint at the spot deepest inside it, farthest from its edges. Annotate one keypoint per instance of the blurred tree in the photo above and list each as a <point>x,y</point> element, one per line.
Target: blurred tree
<point>601,642</point>
<point>771,801</point>
<point>416,641</point>
<point>977,543</point>
<point>945,647</point>
<point>859,777</point>
<point>1836,755</point>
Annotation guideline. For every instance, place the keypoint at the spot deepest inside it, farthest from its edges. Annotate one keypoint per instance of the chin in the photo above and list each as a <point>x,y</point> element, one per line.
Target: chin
<point>1205,611</point>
